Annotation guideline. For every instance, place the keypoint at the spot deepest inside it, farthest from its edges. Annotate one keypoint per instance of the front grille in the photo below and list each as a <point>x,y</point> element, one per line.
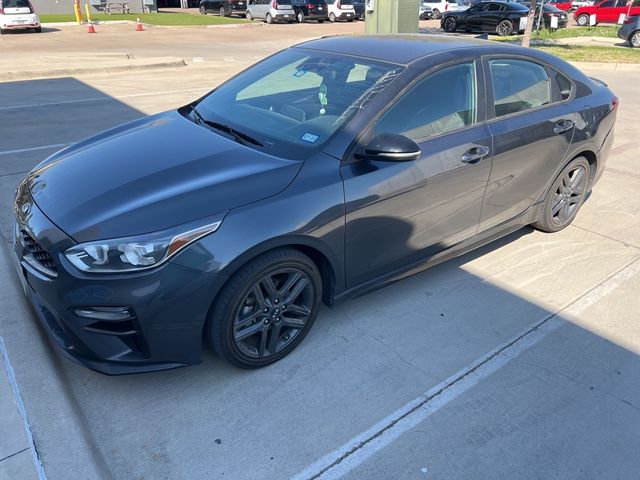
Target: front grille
<point>38,254</point>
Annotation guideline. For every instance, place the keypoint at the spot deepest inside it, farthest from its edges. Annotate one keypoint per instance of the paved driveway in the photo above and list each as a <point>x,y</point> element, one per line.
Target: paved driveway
<point>519,360</point>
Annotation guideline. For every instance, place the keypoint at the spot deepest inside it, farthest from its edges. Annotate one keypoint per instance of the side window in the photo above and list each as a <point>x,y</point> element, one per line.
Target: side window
<point>443,101</point>
<point>495,7</point>
<point>562,86</point>
<point>518,85</point>
<point>608,3</point>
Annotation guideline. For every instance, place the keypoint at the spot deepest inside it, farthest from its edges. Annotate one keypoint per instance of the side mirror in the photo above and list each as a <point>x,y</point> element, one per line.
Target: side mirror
<point>391,147</point>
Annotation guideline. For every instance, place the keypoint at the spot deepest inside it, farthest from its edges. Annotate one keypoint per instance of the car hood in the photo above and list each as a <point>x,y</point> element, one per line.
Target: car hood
<point>154,173</point>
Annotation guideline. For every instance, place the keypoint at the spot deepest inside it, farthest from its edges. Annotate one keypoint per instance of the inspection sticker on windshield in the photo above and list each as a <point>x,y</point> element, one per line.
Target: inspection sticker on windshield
<point>310,137</point>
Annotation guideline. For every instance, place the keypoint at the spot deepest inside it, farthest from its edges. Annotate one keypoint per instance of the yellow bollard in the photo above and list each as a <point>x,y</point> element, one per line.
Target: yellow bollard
<point>77,11</point>
<point>86,7</point>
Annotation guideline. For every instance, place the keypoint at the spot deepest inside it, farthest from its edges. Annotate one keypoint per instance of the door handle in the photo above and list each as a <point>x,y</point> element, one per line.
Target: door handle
<point>563,126</point>
<point>475,154</point>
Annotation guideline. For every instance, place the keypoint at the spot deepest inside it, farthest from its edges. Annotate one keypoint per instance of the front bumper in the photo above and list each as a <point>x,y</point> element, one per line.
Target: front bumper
<point>167,306</point>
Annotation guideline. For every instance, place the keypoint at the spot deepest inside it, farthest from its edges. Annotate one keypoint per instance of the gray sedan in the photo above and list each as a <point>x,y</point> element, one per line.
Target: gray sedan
<point>630,31</point>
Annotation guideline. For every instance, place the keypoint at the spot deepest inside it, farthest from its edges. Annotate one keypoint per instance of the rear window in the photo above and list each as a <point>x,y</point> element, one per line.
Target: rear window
<point>284,2</point>
<point>346,2</point>
<point>15,4</point>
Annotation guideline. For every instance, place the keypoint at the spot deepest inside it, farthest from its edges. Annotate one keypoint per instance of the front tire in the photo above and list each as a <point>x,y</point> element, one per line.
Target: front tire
<point>583,20</point>
<point>222,12</point>
<point>266,309</point>
<point>504,28</point>
<point>450,25</point>
<point>565,197</point>
<point>203,11</point>
<point>38,29</point>
<point>320,20</point>
<point>634,39</point>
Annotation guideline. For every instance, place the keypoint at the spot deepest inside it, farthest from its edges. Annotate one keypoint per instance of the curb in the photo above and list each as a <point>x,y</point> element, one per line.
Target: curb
<point>86,70</point>
<point>152,25</point>
<point>609,67</point>
<point>62,440</point>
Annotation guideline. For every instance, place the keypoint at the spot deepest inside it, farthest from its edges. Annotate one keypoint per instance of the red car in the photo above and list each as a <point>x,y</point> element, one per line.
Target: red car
<point>564,5</point>
<point>606,12</point>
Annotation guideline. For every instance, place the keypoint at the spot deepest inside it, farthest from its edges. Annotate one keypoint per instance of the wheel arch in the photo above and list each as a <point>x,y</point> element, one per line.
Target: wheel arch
<point>327,263</point>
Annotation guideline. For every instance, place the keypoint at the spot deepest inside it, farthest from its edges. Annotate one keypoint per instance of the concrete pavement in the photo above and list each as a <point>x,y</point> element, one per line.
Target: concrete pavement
<point>535,320</point>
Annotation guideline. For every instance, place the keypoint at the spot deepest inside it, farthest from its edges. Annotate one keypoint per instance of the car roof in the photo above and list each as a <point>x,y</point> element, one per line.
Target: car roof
<point>400,49</point>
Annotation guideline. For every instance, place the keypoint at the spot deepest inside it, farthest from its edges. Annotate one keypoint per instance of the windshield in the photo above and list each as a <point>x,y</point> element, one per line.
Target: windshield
<point>293,102</point>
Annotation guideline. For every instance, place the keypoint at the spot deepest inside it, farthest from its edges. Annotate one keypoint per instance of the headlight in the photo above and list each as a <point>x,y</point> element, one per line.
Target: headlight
<point>135,253</point>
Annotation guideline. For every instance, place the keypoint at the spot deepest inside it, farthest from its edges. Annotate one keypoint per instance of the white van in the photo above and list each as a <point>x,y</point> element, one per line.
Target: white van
<point>18,15</point>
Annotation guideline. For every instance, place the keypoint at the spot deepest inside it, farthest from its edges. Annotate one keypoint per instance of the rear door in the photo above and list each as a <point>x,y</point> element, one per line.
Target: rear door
<point>533,125</point>
<point>474,14</point>
<point>492,16</point>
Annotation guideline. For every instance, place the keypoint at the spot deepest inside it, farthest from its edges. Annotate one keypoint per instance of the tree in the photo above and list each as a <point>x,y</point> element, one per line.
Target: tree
<point>526,38</point>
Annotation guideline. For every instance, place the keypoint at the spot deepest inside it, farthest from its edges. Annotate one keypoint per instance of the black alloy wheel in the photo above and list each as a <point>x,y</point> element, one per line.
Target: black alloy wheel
<point>203,11</point>
<point>450,25</point>
<point>266,309</point>
<point>565,197</point>
<point>222,12</point>
<point>505,28</point>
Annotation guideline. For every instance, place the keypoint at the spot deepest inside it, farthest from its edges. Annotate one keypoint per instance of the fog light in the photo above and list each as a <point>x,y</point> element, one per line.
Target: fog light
<point>105,313</point>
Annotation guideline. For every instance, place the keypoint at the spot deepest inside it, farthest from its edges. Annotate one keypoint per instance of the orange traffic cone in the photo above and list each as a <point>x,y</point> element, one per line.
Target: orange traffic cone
<point>91,28</point>
<point>139,25</point>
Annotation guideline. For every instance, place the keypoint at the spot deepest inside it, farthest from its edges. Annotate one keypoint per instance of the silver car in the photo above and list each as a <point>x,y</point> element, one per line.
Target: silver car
<point>271,11</point>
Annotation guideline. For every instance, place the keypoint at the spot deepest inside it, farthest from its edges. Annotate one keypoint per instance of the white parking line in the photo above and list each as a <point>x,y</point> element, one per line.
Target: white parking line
<point>353,453</point>
<point>33,149</point>
<point>98,99</point>
<point>23,413</point>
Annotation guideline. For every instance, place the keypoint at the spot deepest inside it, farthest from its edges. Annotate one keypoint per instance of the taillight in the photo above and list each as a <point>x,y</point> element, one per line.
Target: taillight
<point>446,6</point>
<point>339,5</point>
<point>615,101</point>
<point>275,4</point>
<point>310,5</point>
<point>629,20</point>
<point>1,11</point>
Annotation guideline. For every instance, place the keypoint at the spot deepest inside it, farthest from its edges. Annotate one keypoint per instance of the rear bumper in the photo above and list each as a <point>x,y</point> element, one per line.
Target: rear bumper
<point>20,26</point>
<point>285,17</point>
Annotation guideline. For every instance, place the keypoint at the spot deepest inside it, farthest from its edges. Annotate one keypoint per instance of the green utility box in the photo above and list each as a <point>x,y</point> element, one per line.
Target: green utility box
<point>391,16</point>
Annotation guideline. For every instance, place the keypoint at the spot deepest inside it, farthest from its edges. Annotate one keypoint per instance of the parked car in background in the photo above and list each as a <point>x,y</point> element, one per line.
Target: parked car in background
<point>18,15</point>
<point>341,10</point>
<point>256,203</point>
<point>439,7</point>
<point>576,4</point>
<point>630,30</point>
<point>359,8</point>
<point>271,11</point>
<point>310,10</point>
<point>564,5</point>
<point>549,11</point>
<point>502,18</point>
<point>223,7</point>
<point>425,12</point>
<point>608,11</point>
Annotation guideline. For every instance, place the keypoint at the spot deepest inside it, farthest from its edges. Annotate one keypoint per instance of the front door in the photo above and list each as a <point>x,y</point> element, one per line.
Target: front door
<point>398,213</point>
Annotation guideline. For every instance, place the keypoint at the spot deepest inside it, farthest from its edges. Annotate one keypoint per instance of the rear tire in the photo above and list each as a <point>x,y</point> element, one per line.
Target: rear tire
<point>222,12</point>
<point>332,17</point>
<point>300,17</point>
<point>565,197</point>
<point>436,14</point>
<point>266,309</point>
<point>450,25</point>
<point>634,39</point>
<point>269,19</point>
<point>504,28</point>
<point>349,19</point>
<point>320,20</point>
<point>583,20</point>
<point>248,16</point>
<point>203,11</point>
<point>38,29</point>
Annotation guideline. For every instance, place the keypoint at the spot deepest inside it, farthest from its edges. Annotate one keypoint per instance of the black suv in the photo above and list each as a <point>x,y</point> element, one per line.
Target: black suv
<point>310,10</point>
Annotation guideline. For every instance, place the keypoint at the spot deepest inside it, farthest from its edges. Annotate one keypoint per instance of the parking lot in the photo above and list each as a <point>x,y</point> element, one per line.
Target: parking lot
<point>519,360</point>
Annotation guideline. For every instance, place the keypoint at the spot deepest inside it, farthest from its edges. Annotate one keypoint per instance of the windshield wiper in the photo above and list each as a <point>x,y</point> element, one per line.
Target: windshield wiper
<point>238,136</point>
